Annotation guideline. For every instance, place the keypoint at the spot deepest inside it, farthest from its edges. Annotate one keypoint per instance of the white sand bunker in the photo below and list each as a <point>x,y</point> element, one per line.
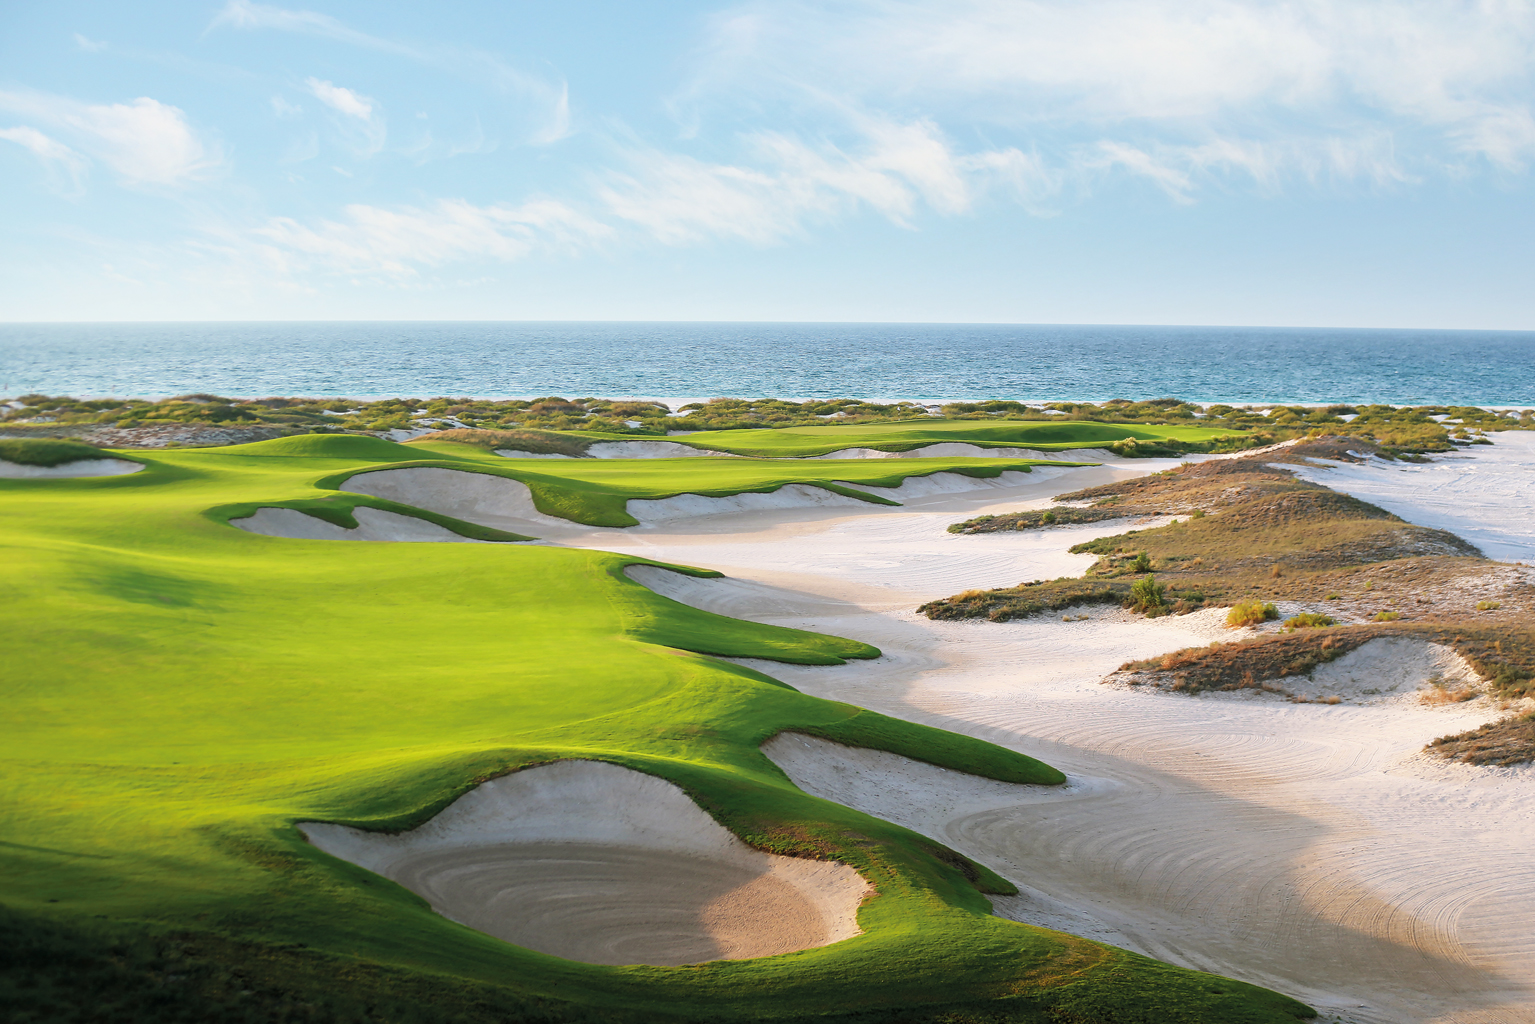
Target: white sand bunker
<point>683,506</point>
<point>597,863</point>
<point>473,497</point>
<point>372,524</point>
<point>78,468</point>
<point>961,449</point>
<point>651,450</point>
<point>1391,667</point>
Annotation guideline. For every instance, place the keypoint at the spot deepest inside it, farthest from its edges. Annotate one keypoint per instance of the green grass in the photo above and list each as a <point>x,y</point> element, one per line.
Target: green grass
<point>179,693</point>
<point>802,442</point>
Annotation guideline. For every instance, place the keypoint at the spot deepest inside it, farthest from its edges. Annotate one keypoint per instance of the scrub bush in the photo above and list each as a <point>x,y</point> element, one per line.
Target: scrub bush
<point>1250,613</point>
<point>1307,620</point>
<point>1147,595</point>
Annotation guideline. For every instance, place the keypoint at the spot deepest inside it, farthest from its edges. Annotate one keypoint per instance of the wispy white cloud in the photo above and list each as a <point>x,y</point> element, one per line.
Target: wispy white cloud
<point>65,166</point>
<point>398,242</point>
<point>894,170</point>
<point>145,141</point>
<point>364,124</point>
<point>89,45</point>
<point>551,101</point>
<point>1109,78</point>
<point>338,98</point>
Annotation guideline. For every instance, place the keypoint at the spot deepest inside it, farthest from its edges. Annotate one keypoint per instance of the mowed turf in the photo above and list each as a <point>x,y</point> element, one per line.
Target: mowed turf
<point>904,436</point>
<point>179,693</point>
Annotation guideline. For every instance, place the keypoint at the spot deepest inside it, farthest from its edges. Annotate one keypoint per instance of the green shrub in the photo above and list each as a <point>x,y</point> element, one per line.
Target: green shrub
<point>1142,563</point>
<point>1250,613</point>
<point>1488,606</point>
<point>1048,518</point>
<point>1387,616</point>
<point>1307,620</point>
<point>1147,595</point>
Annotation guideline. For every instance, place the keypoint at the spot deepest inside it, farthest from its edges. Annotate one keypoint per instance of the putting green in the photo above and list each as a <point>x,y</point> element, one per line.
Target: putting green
<point>906,435</point>
<point>180,693</point>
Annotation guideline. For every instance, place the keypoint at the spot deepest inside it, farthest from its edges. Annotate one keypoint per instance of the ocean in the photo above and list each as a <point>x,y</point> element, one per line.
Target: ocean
<point>786,360</point>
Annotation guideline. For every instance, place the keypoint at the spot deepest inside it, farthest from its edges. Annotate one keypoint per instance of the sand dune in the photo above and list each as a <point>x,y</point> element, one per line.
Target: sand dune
<point>594,862</point>
<point>1484,493</point>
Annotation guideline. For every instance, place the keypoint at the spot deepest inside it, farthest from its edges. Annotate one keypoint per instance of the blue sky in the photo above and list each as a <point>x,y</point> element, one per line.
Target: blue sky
<point>1318,162</point>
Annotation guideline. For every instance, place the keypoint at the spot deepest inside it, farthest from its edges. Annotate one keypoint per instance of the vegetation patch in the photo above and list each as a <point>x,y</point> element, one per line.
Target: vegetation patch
<point>42,451</point>
<point>1503,743</point>
<point>535,442</point>
<point>1256,535</point>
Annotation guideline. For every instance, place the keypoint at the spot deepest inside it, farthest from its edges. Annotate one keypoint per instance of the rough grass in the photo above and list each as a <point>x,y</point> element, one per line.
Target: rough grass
<point>1507,742</point>
<point>1263,536</point>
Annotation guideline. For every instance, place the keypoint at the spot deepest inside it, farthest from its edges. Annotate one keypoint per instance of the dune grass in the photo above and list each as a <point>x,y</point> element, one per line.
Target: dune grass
<point>180,693</point>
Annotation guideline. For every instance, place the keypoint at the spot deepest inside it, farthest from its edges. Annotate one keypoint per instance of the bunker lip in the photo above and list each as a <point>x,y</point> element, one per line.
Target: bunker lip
<point>67,470</point>
<point>373,524</point>
<point>602,864</point>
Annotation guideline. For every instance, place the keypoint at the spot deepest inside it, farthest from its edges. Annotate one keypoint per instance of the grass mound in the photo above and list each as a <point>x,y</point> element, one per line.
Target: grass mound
<point>1503,743</point>
<point>536,442</point>
<point>40,451</point>
<point>1250,528</point>
<point>325,446</point>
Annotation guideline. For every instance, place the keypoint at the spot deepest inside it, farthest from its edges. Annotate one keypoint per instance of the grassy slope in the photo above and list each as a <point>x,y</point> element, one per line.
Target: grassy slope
<point>186,692</point>
<point>803,442</point>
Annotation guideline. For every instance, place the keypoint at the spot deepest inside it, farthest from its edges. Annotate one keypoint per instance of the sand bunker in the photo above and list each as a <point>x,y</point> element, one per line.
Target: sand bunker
<point>788,496</point>
<point>684,506</point>
<point>512,453</point>
<point>473,497</point>
<point>78,468</point>
<point>960,449</point>
<point>1307,847</point>
<point>372,524</point>
<point>594,862</point>
<point>1388,668</point>
<point>651,450</point>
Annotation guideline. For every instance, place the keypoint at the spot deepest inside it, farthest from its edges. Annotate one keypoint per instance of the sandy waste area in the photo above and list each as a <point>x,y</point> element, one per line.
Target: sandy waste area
<point>1309,847</point>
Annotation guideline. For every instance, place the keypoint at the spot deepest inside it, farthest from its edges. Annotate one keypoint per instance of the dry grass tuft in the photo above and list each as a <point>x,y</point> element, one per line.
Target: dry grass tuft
<point>1507,742</point>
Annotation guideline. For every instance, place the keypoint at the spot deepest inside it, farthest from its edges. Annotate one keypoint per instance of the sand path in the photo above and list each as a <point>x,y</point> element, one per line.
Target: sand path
<point>1305,847</point>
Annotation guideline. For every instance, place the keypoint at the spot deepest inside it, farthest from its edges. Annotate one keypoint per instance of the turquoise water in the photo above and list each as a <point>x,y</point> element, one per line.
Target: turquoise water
<point>693,360</point>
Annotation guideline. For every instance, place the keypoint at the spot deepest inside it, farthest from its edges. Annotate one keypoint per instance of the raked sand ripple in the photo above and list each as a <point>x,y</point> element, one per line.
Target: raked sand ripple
<point>598,863</point>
